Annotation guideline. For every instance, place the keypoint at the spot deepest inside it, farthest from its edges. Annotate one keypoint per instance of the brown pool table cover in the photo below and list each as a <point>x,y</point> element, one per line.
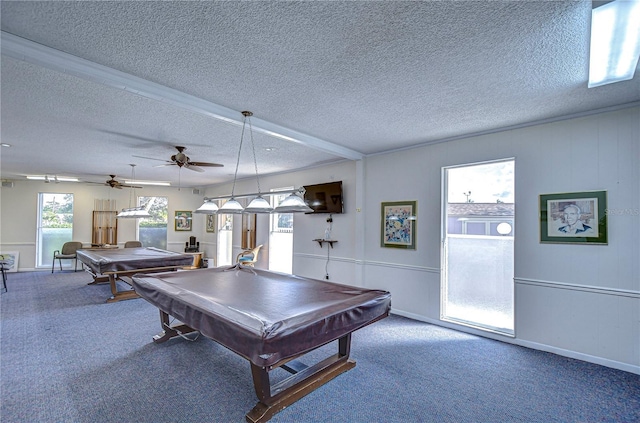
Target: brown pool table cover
<point>126,259</point>
<point>266,317</point>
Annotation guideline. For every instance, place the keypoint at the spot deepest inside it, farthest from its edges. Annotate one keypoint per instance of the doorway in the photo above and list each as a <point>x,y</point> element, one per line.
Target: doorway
<point>478,245</point>
<point>280,237</point>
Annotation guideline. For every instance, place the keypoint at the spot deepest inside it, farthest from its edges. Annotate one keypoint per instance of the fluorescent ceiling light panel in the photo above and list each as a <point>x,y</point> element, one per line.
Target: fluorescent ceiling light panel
<point>615,42</point>
<point>136,182</point>
<point>57,178</point>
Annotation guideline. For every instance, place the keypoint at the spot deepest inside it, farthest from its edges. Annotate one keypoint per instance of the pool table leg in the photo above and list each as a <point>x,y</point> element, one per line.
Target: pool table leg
<point>273,399</point>
<point>169,331</point>
<point>119,295</point>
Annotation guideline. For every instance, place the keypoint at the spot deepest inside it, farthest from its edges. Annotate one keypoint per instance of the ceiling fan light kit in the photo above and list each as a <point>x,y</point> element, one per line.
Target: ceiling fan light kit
<point>182,160</point>
<point>258,204</point>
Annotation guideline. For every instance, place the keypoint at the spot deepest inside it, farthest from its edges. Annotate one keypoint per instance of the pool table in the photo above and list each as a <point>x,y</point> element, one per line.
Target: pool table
<point>271,319</point>
<point>110,265</point>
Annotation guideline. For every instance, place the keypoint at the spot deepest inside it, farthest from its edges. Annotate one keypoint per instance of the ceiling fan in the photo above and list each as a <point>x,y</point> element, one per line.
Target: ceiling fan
<point>113,183</point>
<point>182,160</point>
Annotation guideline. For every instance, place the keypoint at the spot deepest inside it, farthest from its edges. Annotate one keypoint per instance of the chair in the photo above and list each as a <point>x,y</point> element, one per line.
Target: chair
<point>4,269</point>
<point>132,244</point>
<point>68,253</point>
<point>248,257</point>
<point>192,246</point>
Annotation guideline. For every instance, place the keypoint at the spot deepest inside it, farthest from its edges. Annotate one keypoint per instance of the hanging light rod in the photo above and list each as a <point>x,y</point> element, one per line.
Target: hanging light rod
<point>255,194</point>
<point>294,203</point>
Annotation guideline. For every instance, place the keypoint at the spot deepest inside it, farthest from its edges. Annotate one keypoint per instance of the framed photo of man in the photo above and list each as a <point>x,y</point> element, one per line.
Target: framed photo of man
<point>575,218</point>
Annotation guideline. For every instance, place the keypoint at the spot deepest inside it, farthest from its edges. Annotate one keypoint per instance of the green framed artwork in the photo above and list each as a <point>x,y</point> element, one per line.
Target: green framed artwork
<point>399,224</point>
<point>183,220</point>
<point>210,222</point>
<point>574,218</point>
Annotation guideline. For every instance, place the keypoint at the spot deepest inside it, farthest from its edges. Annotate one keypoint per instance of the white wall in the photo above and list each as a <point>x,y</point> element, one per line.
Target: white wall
<point>578,300</point>
<point>581,301</point>
<point>18,215</point>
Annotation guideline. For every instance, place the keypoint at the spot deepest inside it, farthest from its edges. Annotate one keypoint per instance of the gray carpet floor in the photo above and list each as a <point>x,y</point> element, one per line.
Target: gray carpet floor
<point>67,356</point>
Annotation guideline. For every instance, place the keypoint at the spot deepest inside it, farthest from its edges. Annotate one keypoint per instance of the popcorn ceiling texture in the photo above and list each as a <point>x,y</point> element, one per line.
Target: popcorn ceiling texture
<point>369,76</point>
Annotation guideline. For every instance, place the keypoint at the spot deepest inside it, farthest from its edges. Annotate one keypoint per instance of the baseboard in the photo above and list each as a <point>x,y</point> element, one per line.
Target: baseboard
<point>523,343</point>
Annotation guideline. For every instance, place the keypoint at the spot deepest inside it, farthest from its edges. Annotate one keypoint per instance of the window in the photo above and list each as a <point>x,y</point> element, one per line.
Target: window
<point>55,225</point>
<point>152,232</point>
<point>280,237</point>
<point>225,238</point>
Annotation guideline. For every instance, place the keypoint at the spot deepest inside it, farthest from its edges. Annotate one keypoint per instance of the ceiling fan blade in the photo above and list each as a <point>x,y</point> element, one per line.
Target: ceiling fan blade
<point>205,164</point>
<point>167,164</point>
<point>191,166</point>
<point>132,136</point>
<point>152,158</point>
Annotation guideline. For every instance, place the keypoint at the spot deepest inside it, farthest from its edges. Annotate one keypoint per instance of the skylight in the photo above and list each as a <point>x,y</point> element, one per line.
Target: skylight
<point>615,42</point>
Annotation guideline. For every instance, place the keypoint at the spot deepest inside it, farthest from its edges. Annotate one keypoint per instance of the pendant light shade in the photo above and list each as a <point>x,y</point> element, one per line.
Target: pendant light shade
<point>133,213</point>
<point>293,204</point>
<point>258,205</point>
<point>140,213</point>
<point>231,207</point>
<point>208,207</point>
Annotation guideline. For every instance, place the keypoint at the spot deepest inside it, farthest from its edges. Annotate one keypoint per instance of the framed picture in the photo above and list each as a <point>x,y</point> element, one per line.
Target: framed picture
<point>183,220</point>
<point>210,222</point>
<point>574,218</point>
<point>399,225</point>
<point>10,260</point>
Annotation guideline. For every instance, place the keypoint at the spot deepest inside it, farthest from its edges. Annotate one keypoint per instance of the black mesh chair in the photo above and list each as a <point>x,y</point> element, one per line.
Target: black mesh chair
<point>68,253</point>
<point>4,267</point>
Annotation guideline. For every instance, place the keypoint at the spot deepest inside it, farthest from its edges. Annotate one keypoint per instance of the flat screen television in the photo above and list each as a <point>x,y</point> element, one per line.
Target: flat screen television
<point>324,198</point>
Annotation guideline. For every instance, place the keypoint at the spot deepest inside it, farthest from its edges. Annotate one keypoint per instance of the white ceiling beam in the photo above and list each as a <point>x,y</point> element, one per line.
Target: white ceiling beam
<point>28,51</point>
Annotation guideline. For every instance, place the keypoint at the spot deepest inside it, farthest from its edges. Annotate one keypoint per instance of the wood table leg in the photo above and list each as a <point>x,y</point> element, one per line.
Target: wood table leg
<point>169,331</point>
<point>273,399</point>
<point>99,279</point>
<point>119,295</point>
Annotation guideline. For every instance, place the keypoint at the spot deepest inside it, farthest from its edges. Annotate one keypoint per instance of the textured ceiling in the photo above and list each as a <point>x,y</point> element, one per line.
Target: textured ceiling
<point>368,77</point>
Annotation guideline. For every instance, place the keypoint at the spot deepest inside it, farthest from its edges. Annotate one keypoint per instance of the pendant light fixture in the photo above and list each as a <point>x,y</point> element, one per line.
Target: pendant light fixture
<point>292,204</point>
<point>258,204</point>
<point>232,206</point>
<point>139,212</point>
